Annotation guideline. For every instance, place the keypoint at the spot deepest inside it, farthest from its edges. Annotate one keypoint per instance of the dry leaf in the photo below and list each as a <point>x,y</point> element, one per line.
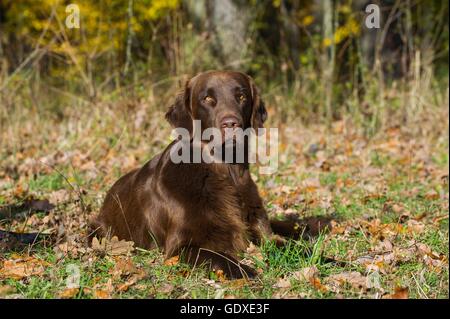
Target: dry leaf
<point>104,291</point>
<point>376,263</point>
<point>59,197</point>
<point>68,293</point>
<point>311,184</point>
<point>220,275</point>
<point>65,249</point>
<point>21,268</point>
<point>338,230</point>
<point>317,284</point>
<point>6,290</point>
<point>404,254</point>
<point>166,288</point>
<point>397,208</point>
<point>432,195</point>
<point>383,246</point>
<point>432,259</point>
<point>123,267</point>
<point>172,261</point>
<point>286,189</point>
<point>400,293</point>
<point>415,227</point>
<point>133,280</point>
<point>354,278</point>
<point>306,274</point>
<point>255,252</point>
<point>101,294</point>
<point>112,247</point>
<point>282,283</point>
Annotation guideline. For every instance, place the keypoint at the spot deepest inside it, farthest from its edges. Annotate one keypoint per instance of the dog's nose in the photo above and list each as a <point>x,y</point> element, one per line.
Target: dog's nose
<point>230,122</point>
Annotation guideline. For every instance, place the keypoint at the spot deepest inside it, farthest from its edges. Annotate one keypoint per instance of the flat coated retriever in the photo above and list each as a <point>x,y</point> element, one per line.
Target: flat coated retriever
<point>206,213</point>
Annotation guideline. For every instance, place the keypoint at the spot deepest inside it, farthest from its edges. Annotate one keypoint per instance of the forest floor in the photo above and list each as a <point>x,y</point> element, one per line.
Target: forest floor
<point>388,196</point>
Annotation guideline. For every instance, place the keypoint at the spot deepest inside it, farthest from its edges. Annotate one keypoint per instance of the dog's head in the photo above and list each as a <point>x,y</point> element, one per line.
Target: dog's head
<point>219,99</point>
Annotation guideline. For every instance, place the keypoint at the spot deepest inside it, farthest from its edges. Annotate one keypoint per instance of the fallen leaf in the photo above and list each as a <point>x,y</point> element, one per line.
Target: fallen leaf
<point>112,247</point>
<point>423,249</point>
<point>255,252</point>
<point>317,284</point>
<point>21,268</point>
<point>383,246</point>
<point>432,195</point>
<point>172,261</point>
<point>286,189</point>
<point>311,184</point>
<point>337,229</point>
<point>123,267</point>
<point>306,274</point>
<point>59,197</point>
<point>254,257</point>
<point>132,281</point>
<point>220,275</point>
<point>399,293</point>
<point>6,290</point>
<point>66,249</point>
<point>166,288</point>
<point>415,227</point>
<point>101,294</point>
<point>397,208</point>
<point>432,259</point>
<point>104,291</point>
<point>282,283</point>
<point>354,278</point>
<point>68,293</point>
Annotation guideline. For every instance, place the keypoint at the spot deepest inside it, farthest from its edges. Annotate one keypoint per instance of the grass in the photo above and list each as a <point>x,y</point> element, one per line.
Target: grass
<point>275,263</point>
<point>47,183</point>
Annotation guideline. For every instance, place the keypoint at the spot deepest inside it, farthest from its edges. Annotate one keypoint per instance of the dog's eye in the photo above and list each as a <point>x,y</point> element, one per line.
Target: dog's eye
<point>209,100</point>
<point>242,98</point>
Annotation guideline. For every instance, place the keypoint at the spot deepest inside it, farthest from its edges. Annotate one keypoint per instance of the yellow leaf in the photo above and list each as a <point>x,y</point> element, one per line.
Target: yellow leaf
<point>172,261</point>
<point>68,293</point>
<point>101,294</point>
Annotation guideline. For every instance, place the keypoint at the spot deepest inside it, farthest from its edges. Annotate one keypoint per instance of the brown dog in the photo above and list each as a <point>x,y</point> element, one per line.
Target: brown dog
<point>207,213</point>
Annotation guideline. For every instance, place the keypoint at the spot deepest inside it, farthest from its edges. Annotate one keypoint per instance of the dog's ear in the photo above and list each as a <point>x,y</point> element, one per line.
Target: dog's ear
<point>259,112</point>
<point>179,113</point>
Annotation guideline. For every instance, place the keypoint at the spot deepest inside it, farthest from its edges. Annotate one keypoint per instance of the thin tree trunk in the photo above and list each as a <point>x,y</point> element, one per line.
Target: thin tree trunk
<point>328,57</point>
<point>129,37</point>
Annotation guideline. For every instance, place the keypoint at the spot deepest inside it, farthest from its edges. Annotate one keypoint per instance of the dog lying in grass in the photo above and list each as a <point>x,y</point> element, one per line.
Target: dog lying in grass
<point>207,213</point>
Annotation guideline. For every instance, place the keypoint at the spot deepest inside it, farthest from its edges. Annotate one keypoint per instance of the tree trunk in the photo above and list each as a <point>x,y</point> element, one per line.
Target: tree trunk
<point>227,23</point>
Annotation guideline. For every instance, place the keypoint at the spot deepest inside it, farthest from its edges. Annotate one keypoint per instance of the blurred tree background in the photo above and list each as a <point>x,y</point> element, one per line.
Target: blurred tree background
<point>314,60</point>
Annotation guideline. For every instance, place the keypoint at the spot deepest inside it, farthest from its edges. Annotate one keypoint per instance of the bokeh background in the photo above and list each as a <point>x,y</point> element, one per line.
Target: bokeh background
<point>315,60</point>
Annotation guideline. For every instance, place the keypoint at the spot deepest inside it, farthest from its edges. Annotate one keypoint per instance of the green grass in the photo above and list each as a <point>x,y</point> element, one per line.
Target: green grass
<point>51,182</point>
<point>276,262</point>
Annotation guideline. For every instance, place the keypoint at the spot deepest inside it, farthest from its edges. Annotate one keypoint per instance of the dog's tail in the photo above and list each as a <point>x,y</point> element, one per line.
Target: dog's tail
<point>295,227</point>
